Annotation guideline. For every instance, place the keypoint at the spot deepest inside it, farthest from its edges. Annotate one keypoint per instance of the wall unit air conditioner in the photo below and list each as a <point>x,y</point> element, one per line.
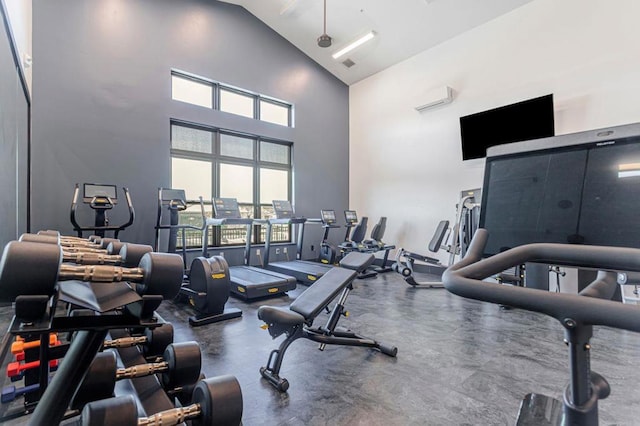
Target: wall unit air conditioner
<point>435,98</point>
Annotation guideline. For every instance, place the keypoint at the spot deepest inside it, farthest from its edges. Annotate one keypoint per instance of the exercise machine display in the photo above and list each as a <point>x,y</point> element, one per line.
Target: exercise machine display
<point>296,321</point>
<point>100,198</point>
<point>307,272</point>
<point>247,282</point>
<point>578,314</point>
<point>328,252</point>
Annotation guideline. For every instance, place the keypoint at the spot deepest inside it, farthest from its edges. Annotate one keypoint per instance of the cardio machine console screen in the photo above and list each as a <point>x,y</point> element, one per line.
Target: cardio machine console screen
<point>173,195</point>
<point>283,209</point>
<point>226,208</point>
<point>350,216</point>
<point>328,216</point>
<point>94,190</point>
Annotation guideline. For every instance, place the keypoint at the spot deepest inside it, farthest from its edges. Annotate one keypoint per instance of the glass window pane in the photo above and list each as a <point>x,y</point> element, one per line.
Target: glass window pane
<point>190,139</point>
<point>274,185</point>
<point>236,103</point>
<point>191,91</point>
<point>236,182</point>
<point>193,176</point>
<point>236,146</point>
<point>274,153</point>
<point>192,216</point>
<point>279,233</point>
<point>274,113</point>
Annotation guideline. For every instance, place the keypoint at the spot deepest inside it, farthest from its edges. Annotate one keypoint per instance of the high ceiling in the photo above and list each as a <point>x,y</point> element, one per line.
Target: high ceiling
<point>403,27</point>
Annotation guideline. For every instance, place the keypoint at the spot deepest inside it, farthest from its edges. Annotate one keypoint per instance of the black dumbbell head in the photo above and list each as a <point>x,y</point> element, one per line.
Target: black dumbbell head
<point>131,254</point>
<point>119,411</point>
<point>28,269</point>
<point>99,382</point>
<point>39,238</point>
<point>158,339</point>
<point>185,362</point>
<point>220,400</point>
<point>163,274</point>
<point>49,233</point>
<point>104,243</point>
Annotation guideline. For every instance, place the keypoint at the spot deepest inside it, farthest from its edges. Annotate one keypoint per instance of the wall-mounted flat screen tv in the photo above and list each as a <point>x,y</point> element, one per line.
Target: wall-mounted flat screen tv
<point>582,188</point>
<point>530,119</point>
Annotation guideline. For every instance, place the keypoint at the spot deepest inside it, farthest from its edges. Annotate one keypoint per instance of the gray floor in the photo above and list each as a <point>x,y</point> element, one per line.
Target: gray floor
<point>459,362</point>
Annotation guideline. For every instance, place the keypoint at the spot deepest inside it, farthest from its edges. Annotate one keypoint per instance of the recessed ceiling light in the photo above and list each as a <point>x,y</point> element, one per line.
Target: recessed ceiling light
<point>359,42</point>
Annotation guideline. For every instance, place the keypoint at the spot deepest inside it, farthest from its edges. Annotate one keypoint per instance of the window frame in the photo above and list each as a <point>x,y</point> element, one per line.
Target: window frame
<point>216,159</point>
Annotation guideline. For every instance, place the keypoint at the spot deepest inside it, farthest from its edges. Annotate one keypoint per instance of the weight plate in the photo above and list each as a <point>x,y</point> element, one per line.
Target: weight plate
<point>119,411</point>
<point>185,362</point>
<point>220,400</point>
<point>28,269</point>
<point>131,253</point>
<point>158,339</point>
<point>162,274</point>
<point>99,382</point>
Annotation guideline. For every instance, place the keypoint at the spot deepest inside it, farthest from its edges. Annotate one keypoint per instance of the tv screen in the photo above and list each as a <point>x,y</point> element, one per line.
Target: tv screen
<point>579,194</point>
<point>530,119</point>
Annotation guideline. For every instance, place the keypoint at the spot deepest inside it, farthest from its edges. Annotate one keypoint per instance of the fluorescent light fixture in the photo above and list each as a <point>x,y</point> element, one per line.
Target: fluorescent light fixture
<point>628,170</point>
<point>359,42</point>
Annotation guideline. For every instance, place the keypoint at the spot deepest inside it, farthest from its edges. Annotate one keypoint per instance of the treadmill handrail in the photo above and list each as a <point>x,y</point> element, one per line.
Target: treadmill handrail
<point>465,279</point>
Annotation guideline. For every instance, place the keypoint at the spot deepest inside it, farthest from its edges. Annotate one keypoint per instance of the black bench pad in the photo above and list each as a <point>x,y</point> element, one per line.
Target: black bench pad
<point>322,292</point>
<point>357,261</point>
<point>280,316</point>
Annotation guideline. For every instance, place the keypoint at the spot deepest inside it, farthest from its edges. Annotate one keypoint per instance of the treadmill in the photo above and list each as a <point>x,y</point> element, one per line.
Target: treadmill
<point>247,282</point>
<point>307,272</point>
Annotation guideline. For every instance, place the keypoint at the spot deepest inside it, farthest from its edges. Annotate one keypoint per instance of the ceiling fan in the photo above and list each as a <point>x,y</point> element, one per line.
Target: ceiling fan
<point>324,40</point>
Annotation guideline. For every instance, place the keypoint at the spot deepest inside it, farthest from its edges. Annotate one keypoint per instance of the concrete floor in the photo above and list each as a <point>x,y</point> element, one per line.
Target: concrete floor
<point>459,362</point>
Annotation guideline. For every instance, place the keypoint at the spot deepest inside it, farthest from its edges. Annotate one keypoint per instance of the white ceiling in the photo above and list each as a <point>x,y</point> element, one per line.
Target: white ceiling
<point>403,27</point>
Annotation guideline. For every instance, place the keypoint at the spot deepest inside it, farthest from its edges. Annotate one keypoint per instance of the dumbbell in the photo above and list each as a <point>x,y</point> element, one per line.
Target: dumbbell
<point>109,253</point>
<point>21,346</point>
<point>180,367</point>
<point>9,393</point>
<point>114,253</point>
<point>154,342</point>
<point>71,246</point>
<point>34,269</point>
<point>91,238</point>
<point>216,401</point>
<point>16,369</point>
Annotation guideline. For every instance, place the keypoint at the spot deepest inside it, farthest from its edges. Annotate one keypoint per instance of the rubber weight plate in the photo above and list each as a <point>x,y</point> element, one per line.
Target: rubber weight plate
<point>99,382</point>
<point>37,238</point>
<point>49,233</point>
<point>162,274</point>
<point>220,400</point>
<point>185,362</point>
<point>104,243</point>
<point>131,254</point>
<point>119,411</point>
<point>158,339</point>
<point>28,269</point>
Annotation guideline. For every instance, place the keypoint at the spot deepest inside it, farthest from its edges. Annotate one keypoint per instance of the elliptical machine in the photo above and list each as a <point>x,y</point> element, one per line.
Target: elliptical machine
<point>101,198</point>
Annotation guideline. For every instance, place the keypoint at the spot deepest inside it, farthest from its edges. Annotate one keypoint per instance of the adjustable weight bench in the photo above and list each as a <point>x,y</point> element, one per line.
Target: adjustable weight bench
<point>296,321</point>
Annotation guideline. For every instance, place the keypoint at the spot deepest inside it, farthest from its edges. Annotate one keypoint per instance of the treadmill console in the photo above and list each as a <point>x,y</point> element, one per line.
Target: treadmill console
<point>283,209</point>
<point>328,216</point>
<point>226,208</point>
<point>351,217</point>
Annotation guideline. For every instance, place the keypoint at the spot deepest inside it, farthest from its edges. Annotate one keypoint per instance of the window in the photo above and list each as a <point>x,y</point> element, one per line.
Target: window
<point>208,162</point>
<point>202,91</point>
<point>274,112</point>
<point>236,103</point>
<point>191,91</point>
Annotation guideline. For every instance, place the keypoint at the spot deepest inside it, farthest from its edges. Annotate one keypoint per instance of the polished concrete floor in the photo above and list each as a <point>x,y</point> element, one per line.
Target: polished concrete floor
<point>460,362</point>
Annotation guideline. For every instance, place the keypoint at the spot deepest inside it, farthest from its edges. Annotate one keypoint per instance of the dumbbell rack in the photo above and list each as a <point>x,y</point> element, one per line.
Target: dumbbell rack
<point>36,315</point>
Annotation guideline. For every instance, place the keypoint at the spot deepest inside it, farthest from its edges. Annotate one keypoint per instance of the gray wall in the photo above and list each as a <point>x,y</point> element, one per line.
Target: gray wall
<point>102,101</point>
<point>14,128</point>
